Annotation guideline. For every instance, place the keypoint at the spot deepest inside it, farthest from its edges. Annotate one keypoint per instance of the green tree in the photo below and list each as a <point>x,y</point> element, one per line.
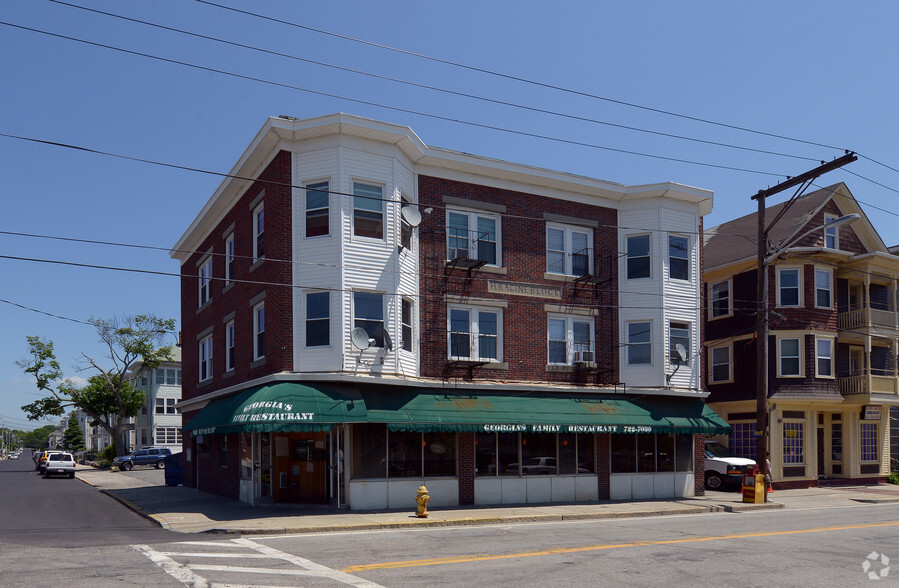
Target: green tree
<point>110,397</point>
<point>73,438</point>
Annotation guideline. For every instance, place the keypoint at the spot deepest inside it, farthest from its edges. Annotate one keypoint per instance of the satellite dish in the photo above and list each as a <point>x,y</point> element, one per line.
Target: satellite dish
<point>411,215</point>
<point>681,351</point>
<point>359,338</point>
<point>388,342</point>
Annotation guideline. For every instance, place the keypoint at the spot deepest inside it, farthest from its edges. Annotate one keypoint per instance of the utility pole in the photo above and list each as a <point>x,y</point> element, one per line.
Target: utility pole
<point>761,319</point>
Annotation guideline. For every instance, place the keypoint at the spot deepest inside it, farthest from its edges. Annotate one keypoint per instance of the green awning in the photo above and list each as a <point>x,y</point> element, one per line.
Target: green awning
<point>280,407</point>
<point>427,410</point>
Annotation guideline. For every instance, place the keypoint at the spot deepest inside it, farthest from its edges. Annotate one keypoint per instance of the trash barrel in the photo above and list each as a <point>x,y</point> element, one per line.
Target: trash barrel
<point>173,475</point>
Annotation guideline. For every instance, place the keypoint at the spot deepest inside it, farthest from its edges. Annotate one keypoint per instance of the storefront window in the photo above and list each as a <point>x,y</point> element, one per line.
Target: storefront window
<point>507,453</point>
<point>624,454</point>
<point>586,454</point>
<point>646,453</point>
<point>742,440</point>
<point>683,448</point>
<point>538,454</point>
<point>369,451</point>
<point>485,454</point>
<point>868,441</point>
<point>405,454</point>
<point>665,452</point>
<point>567,453</point>
<point>246,456</point>
<point>793,437</point>
<point>439,454</point>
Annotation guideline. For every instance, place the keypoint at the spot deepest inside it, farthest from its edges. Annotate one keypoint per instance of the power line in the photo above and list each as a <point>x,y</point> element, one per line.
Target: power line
<point>394,108</point>
<point>438,89</point>
<point>50,314</point>
<point>517,78</point>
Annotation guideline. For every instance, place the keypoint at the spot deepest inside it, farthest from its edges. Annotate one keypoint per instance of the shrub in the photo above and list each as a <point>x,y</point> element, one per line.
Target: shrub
<point>894,478</point>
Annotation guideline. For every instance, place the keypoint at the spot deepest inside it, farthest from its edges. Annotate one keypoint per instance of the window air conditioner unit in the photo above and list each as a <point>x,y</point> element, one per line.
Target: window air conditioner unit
<point>585,358</point>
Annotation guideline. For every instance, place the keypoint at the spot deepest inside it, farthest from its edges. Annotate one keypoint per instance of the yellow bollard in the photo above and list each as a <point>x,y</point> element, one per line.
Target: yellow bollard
<point>422,499</point>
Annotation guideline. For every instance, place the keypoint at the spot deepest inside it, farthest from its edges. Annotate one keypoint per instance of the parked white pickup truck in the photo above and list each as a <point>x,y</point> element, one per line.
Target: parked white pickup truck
<point>60,464</point>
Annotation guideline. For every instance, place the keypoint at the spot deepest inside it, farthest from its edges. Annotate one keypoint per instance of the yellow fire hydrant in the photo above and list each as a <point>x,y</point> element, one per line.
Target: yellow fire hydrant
<point>422,499</point>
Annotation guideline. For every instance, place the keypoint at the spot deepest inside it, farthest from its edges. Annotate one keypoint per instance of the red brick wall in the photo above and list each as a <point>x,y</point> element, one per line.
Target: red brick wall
<point>603,465</point>
<point>523,249</point>
<point>215,476</point>
<point>466,468</point>
<point>699,464</point>
<point>273,277</point>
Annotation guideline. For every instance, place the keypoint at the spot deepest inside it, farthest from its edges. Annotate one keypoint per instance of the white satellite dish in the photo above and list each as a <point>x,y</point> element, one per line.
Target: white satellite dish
<point>411,215</point>
<point>359,338</point>
<point>681,351</point>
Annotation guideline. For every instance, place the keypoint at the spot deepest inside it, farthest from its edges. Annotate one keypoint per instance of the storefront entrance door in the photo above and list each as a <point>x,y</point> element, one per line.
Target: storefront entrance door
<point>301,468</point>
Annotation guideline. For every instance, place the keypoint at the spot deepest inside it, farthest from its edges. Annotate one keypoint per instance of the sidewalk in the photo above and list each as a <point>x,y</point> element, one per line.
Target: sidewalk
<point>187,510</point>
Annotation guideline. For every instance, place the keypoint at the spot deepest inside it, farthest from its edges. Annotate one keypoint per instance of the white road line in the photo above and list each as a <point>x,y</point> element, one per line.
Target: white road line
<point>323,571</point>
<point>222,555</point>
<point>174,569</point>
<point>235,569</point>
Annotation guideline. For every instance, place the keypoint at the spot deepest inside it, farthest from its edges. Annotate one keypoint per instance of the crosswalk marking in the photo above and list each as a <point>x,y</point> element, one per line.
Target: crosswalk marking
<point>186,573</point>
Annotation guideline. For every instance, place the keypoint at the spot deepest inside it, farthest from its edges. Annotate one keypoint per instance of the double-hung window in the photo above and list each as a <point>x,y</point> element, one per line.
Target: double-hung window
<point>824,357</point>
<point>823,289</point>
<point>259,331</point>
<point>408,310</point>
<point>368,314</point>
<point>229,258</point>
<point>831,235</point>
<point>639,343</point>
<point>678,257</point>
<point>721,364</point>
<point>166,405</point>
<point>317,209</point>
<point>475,334</point>
<point>205,278</point>
<point>788,287</point>
<point>719,293</point>
<point>368,210</point>
<point>318,319</point>
<point>638,265</point>
<point>406,228</point>
<point>229,346</point>
<point>570,339</point>
<point>789,355</point>
<point>679,339</point>
<point>206,358</point>
<point>259,232</point>
<point>569,250</point>
<point>473,235</point>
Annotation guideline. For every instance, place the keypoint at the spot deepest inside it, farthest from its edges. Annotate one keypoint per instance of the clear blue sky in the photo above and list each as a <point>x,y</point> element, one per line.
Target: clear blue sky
<point>821,72</point>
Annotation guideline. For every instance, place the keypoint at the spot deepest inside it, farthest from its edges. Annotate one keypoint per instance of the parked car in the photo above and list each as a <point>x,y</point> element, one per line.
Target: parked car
<point>154,456</point>
<point>535,465</point>
<point>60,464</point>
<point>42,461</point>
<point>722,468</point>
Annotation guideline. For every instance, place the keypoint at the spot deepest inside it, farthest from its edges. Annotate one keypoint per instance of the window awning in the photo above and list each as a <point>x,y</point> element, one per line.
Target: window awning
<point>426,410</point>
<point>280,407</point>
<point>291,406</point>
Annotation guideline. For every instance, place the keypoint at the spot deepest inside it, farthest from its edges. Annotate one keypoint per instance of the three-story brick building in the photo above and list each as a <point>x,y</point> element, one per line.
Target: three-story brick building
<point>363,313</point>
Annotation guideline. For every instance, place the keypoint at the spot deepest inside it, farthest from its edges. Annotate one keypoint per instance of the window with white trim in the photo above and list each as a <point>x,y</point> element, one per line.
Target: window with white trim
<point>639,343</point>
<point>408,311</point>
<point>719,294</point>
<point>167,377</point>
<point>721,364</point>
<point>569,250</point>
<point>831,234</point>
<point>259,232</point>
<point>167,436</point>
<point>473,235</point>
<point>259,331</point>
<point>789,357</point>
<point>205,278</point>
<point>368,210</point>
<point>638,257</point>
<point>318,319</point>
<point>229,259</point>
<point>570,340</point>
<point>166,405</point>
<point>317,209</point>
<point>475,334</point>
<point>368,314</point>
<point>824,357</point>
<point>678,337</point>
<point>678,257</point>
<point>823,288</point>
<point>868,441</point>
<point>793,442</point>
<point>788,291</point>
<point>229,346</point>
<point>205,358</point>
